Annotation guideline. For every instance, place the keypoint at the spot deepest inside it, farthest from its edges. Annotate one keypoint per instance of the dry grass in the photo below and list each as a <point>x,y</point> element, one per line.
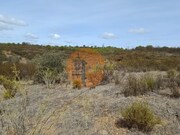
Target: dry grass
<point>107,125</point>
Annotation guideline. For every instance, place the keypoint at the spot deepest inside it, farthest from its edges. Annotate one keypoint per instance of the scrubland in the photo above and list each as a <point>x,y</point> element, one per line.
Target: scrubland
<point>138,94</point>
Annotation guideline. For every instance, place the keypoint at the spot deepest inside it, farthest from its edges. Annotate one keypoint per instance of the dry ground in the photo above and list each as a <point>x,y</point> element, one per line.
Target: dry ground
<point>65,111</point>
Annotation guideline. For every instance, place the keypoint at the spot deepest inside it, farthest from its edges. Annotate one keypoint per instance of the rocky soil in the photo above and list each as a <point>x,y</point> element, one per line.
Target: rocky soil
<point>65,111</point>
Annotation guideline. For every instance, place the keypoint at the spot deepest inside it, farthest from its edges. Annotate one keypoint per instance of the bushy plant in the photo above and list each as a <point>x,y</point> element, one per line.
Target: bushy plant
<point>140,116</point>
<point>95,77</point>
<point>10,86</point>
<point>139,85</point>
<point>49,76</point>
<point>175,92</point>
<point>49,66</point>
<point>5,69</point>
<point>8,94</point>
<point>2,58</point>
<point>135,86</point>
<point>118,77</point>
<point>150,81</point>
<point>160,82</point>
<point>178,79</point>
<point>77,84</point>
<point>174,82</point>
<point>174,86</point>
<point>62,77</point>
<point>108,70</point>
<point>25,70</point>
<point>178,67</point>
<point>51,60</point>
<point>171,73</point>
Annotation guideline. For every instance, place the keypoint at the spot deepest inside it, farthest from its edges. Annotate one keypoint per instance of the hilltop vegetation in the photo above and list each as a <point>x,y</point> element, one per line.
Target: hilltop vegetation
<point>137,59</point>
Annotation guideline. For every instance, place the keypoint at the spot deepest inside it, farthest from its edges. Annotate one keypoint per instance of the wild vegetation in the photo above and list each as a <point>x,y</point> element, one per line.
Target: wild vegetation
<point>140,116</point>
<point>139,59</point>
<point>38,97</point>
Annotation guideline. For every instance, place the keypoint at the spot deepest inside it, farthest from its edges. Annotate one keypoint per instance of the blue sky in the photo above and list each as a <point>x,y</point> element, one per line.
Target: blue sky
<point>120,23</point>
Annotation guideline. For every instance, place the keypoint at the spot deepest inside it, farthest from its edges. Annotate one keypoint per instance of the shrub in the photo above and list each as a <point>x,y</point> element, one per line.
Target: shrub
<point>8,94</point>
<point>178,80</point>
<point>49,76</point>
<point>108,70</point>
<point>174,87</point>
<point>26,70</point>
<point>171,73</point>
<point>5,69</point>
<point>51,60</point>
<point>160,82</point>
<point>10,87</point>
<point>178,67</point>
<point>77,84</point>
<point>62,77</point>
<point>49,66</point>
<point>139,115</point>
<point>135,86</point>
<point>150,81</point>
<point>174,83</point>
<point>95,77</point>
<point>175,92</point>
<point>2,58</point>
<point>118,77</point>
<point>139,85</point>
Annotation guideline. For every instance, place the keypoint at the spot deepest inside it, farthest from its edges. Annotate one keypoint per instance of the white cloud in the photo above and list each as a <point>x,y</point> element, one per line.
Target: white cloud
<point>12,21</point>
<point>5,27</point>
<point>138,31</point>
<point>55,36</point>
<point>108,35</point>
<point>30,36</point>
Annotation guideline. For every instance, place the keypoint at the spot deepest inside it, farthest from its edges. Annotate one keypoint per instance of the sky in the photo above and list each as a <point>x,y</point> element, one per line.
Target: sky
<point>119,23</point>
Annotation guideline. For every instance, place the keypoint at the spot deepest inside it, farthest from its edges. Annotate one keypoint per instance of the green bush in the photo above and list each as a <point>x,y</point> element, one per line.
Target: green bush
<point>8,94</point>
<point>49,66</point>
<point>150,81</point>
<point>51,60</point>
<point>10,87</point>
<point>140,115</point>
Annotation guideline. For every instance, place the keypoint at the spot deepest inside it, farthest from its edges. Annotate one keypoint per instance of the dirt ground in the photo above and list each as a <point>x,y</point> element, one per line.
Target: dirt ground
<point>66,111</point>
